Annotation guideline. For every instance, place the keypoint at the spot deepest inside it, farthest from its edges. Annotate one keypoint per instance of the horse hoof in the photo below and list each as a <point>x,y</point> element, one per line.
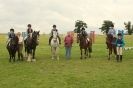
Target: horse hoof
<point>34,60</point>
<point>81,58</point>
<point>28,60</point>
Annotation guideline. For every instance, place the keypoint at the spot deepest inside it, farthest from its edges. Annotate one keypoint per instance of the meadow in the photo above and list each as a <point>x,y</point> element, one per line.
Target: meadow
<point>95,72</point>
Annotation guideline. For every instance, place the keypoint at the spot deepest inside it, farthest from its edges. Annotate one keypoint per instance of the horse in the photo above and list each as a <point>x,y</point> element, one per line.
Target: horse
<point>55,46</point>
<point>111,46</point>
<point>12,48</point>
<point>84,45</point>
<point>30,45</point>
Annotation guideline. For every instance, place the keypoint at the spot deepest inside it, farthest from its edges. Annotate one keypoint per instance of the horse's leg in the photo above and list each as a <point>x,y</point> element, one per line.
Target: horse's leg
<point>81,53</point>
<point>89,51</point>
<point>85,53</point>
<point>29,54</point>
<point>10,58</point>
<point>52,52</point>
<point>13,57</point>
<point>25,52</point>
<point>34,54</point>
<point>57,52</point>
<point>9,55</point>
<point>109,52</point>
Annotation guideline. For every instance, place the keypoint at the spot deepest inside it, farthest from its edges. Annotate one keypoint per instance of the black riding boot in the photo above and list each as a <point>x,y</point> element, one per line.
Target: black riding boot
<point>50,39</point>
<point>59,40</point>
<point>121,58</point>
<point>117,58</point>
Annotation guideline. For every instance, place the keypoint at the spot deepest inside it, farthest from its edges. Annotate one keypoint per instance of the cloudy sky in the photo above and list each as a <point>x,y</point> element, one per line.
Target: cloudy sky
<point>42,14</point>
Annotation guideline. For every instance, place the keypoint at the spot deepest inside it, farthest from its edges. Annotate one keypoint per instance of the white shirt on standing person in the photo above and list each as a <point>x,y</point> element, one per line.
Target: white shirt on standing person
<point>20,38</point>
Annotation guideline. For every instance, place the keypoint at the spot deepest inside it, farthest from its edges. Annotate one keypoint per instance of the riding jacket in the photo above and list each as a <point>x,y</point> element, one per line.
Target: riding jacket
<point>112,32</point>
<point>120,43</point>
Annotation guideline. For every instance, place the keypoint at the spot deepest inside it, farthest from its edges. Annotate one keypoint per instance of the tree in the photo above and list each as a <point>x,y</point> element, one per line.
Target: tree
<point>106,25</point>
<point>129,27</point>
<point>78,25</point>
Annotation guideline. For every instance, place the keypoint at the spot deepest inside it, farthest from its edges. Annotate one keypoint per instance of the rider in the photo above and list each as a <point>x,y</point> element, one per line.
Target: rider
<point>29,31</point>
<point>51,34</point>
<point>111,32</point>
<point>84,33</point>
<point>10,35</point>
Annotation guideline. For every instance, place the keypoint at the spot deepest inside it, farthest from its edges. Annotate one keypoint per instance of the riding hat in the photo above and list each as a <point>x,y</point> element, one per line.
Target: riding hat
<point>29,25</point>
<point>12,29</point>
<point>119,34</point>
<point>54,25</point>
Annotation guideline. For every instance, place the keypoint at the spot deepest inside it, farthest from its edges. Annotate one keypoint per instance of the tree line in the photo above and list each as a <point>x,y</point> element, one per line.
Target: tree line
<point>105,26</point>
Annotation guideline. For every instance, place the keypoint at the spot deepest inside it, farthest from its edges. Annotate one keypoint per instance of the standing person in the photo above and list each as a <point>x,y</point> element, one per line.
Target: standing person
<point>119,44</point>
<point>68,41</point>
<point>20,46</point>
<point>51,34</point>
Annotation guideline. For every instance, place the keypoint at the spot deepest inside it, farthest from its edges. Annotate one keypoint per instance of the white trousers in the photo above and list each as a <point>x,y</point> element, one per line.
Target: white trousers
<point>119,50</point>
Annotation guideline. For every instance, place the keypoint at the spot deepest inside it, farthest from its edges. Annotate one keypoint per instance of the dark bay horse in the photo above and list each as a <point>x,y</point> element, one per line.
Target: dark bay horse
<point>111,46</point>
<point>31,44</point>
<point>84,45</point>
<point>12,48</point>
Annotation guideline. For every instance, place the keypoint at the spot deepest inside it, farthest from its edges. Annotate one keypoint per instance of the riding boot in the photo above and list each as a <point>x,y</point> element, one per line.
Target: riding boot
<point>59,40</point>
<point>121,58</point>
<point>50,39</point>
<point>117,58</point>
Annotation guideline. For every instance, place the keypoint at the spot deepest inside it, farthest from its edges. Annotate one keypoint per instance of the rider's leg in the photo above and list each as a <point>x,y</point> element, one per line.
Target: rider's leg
<point>118,53</point>
<point>50,39</point>
<point>121,49</point>
<point>59,39</point>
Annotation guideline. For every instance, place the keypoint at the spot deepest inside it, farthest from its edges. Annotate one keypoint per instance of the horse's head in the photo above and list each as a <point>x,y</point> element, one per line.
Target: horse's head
<point>35,36</point>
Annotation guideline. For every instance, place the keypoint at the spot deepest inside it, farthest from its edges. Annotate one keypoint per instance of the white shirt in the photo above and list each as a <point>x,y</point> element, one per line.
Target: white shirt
<point>20,40</point>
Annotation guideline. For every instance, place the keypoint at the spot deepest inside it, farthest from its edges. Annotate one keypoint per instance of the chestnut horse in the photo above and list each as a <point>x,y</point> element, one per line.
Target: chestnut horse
<point>111,46</point>
<point>84,45</point>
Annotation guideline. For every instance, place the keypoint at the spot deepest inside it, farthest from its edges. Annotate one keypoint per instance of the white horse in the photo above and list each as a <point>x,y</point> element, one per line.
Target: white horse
<point>55,46</point>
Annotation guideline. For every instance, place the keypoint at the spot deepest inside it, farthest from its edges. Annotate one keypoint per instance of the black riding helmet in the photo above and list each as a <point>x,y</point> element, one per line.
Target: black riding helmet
<point>119,34</point>
<point>112,25</point>
<point>29,25</point>
<point>54,26</point>
<point>11,29</point>
<point>83,28</point>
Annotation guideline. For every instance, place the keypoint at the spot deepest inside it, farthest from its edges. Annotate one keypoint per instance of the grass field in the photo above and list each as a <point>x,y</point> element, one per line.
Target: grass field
<point>96,72</point>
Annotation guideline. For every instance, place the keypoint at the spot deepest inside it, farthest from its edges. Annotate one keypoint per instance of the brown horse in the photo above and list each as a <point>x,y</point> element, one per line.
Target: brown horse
<point>84,45</point>
<point>111,46</point>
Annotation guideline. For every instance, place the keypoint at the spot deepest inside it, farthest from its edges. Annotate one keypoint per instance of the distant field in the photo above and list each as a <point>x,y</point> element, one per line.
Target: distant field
<point>96,72</point>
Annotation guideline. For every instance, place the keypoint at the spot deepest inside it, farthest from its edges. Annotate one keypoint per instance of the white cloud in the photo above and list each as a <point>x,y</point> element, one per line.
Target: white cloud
<point>42,14</point>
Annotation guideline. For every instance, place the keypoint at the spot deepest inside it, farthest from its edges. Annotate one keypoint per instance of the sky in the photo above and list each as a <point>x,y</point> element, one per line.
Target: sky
<point>42,14</point>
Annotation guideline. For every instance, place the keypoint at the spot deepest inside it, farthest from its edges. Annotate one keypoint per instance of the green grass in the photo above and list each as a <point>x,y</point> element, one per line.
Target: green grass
<point>96,72</point>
